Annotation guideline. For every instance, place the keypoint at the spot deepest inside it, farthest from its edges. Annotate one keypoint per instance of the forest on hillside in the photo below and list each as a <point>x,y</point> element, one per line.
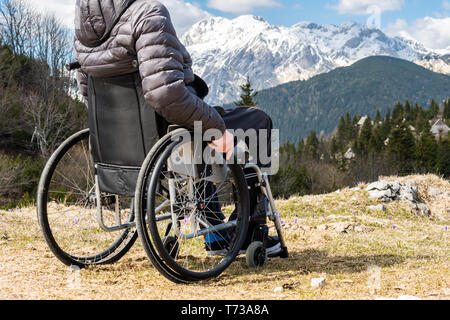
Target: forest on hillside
<point>37,111</point>
<point>361,149</point>
<point>369,84</point>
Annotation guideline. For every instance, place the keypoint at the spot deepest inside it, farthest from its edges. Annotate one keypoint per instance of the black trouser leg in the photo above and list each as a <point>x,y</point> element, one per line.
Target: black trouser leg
<point>252,118</point>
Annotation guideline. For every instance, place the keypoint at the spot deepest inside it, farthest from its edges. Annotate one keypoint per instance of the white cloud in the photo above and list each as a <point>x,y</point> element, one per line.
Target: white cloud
<point>360,7</point>
<point>183,14</point>
<point>241,6</point>
<point>432,32</point>
<point>63,9</point>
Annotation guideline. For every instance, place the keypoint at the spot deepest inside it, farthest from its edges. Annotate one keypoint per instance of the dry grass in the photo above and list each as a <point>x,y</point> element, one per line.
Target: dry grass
<point>410,259</point>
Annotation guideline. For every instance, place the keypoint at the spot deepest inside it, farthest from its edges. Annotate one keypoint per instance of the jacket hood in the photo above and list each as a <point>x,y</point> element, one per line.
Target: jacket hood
<point>94,19</point>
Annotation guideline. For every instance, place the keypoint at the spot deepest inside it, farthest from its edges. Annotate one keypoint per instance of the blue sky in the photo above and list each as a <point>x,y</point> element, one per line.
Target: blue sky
<point>324,12</point>
<point>427,21</point>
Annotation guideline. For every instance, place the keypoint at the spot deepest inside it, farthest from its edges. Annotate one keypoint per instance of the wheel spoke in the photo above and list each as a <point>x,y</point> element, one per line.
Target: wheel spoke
<point>69,209</point>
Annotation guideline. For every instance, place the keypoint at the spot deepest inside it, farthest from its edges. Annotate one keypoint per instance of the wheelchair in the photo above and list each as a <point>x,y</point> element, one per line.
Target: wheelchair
<point>128,175</point>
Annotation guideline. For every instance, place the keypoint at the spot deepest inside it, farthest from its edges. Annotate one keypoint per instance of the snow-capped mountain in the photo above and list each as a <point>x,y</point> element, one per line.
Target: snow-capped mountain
<point>226,51</point>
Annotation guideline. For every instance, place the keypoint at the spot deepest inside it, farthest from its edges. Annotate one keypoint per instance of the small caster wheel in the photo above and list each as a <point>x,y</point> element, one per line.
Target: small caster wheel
<point>284,253</point>
<point>256,255</point>
<point>171,245</point>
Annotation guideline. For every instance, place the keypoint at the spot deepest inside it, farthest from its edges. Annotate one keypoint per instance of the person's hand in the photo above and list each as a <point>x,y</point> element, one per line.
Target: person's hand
<point>224,145</point>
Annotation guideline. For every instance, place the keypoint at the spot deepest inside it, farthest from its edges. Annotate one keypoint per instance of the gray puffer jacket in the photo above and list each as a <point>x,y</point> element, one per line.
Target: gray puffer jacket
<point>116,37</point>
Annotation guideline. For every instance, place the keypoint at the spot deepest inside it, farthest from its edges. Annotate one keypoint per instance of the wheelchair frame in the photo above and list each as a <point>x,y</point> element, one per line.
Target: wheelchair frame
<point>264,184</point>
<point>200,227</point>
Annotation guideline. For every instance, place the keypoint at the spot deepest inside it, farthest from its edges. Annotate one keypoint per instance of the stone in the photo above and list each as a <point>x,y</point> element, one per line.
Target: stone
<point>379,207</point>
<point>361,228</point>
<point>383,195</point>
<point>344,227</point>
<point>339,226</point>
<point>419,209</point>
<point>333,216</point>
<point>407,192</point>
<point>290,286</point>
<point>393,191</point>
<point>322,227</point>
<point>435,193</point>
<point>346,281</point>
<point>395,186</point>
<point>318,282</point>
<point>378,185</point>
<point>278,289</point>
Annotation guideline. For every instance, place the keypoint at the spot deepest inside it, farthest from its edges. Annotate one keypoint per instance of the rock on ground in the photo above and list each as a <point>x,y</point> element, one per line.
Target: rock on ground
<point>379,207</point>
<point>386,191</point>
<point>318,282</point>
<point>344,226</point>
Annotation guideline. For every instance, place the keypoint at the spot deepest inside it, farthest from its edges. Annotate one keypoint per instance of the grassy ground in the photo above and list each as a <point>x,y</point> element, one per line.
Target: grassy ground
<point>362,254</point>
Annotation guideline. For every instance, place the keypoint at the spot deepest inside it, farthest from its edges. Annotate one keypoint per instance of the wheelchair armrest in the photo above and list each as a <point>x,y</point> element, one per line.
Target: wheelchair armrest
<point>173,127</point>
<point>220,110</point>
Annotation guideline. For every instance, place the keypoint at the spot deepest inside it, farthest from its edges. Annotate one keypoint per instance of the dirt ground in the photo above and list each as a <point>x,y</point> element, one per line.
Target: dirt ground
<point>362,254</point>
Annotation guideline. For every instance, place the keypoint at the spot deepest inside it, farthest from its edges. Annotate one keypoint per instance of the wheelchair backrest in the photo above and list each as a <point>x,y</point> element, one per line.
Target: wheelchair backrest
<point>123,129</point>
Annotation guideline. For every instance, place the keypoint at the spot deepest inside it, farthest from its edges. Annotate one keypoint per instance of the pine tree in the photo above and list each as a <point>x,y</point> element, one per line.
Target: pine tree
<point>434,110</point>
<point>300,149</point>
<point>334,147</point>
<point>408,110</point>
<point>398,113</point>
<point>353,128</point>
<point>401,148</point>
<point>342,132</point>
<point>388,115</point>
<point>443,160</point>
<point>386,126</point>
<point>446,114</point>
<point>312,145</point>
<point>364,136</point>
<point>377,118</point>
<point>247,96</point>
<point>420,120</point>
<point>426,126</point>
<point>376,143</point>
<point>426,152</point>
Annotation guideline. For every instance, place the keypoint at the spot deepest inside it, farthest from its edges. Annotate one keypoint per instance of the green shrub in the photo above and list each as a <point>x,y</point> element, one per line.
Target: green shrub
<point>19,179</point>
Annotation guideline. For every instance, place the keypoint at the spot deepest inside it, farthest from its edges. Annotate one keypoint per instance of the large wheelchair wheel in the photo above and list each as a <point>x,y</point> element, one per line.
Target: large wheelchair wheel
<point>67,209</point>
<point>181,210</point>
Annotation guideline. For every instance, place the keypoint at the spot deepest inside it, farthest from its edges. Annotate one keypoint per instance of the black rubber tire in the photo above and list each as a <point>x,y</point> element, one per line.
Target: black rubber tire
<point>256,255</point>
<point>151,241</point>
<point>171,245</point>
<point>118,248</point>
<point>141,212</point>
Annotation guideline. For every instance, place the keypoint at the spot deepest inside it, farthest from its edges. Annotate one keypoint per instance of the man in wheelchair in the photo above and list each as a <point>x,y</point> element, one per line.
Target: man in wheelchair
<point>119,37</point>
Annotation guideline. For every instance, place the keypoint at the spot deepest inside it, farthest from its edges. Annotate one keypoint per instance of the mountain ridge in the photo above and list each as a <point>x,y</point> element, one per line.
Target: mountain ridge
<point>369,84</point>
<point>226,51</point>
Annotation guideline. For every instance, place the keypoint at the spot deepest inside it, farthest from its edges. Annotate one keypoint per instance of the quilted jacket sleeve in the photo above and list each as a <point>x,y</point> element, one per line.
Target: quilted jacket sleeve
<point>82,81</point>
<point>164,65</point>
